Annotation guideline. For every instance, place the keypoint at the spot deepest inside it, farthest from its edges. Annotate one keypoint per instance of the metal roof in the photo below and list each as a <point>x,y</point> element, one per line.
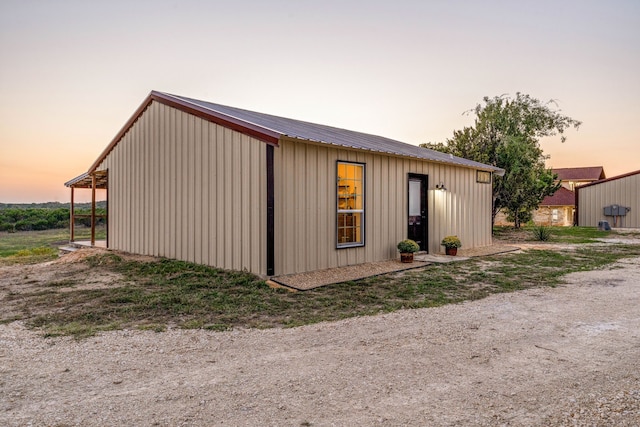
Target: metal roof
<point>270,129</point>
<point>329,135</point>
<point>613,178</point>
<point>562,197</point>
<point>592,173</point>
<point>86,180</point>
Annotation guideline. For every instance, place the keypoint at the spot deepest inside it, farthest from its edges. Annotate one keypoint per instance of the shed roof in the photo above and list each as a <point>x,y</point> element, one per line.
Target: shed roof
<point>562,197</point>
<point>613,178</point>
<point>271,128</point>
<point>591,173</point>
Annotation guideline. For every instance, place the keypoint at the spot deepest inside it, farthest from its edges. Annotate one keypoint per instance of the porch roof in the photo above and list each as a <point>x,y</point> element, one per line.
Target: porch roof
<point>86,180</point>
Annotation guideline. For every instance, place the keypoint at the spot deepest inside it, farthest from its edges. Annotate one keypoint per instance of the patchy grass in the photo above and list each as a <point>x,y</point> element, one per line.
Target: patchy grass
<point>575,235</point>
<point>39,251</point>
<point>12,244</point>
<point>169,293</point>
<point>29,247</point>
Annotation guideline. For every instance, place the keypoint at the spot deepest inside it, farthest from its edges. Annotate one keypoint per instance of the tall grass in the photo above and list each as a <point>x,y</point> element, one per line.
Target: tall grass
<point>541,233</point>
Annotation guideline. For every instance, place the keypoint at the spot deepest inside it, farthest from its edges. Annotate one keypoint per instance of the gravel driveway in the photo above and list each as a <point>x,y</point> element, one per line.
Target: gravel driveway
<point>563,356</point>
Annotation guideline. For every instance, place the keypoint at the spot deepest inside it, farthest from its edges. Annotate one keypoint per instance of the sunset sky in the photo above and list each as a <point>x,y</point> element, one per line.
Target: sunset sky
<point>73,72</point>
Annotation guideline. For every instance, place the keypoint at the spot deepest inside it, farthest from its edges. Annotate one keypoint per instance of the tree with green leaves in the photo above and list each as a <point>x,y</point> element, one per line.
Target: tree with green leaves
<point>528,182</point>
<point>506,134</point>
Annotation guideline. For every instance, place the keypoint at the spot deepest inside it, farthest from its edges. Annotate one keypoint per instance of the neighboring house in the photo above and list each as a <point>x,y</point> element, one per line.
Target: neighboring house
<point>615,199</point>
<point>559,209</point>
<point>575,177</point>
<point>237,189</point>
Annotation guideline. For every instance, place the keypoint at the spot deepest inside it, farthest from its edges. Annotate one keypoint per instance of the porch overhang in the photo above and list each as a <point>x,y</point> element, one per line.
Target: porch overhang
<point>96,180</point>
<point>86,180</point>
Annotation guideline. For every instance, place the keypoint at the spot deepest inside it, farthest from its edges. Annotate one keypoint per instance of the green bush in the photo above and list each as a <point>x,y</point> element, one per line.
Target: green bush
<point>451,242</point>
<point>28,219</point>
<point>541,233</point>
<point>408,246</point>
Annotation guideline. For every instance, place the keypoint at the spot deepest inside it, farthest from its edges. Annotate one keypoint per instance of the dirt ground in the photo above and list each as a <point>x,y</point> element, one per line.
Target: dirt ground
<point>567,356</point>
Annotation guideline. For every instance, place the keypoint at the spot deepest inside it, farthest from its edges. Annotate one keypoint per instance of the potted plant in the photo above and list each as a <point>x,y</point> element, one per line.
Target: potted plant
<point>451,245</point>
<point>407,248</point>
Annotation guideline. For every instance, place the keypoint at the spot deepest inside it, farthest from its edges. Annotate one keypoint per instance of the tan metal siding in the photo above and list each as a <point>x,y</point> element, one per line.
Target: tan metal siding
<point>623,192</point>
<point>185,188</point>
<point>306,207</point>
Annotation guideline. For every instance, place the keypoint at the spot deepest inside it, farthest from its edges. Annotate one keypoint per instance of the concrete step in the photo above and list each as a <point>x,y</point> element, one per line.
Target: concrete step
<point>63,250</point>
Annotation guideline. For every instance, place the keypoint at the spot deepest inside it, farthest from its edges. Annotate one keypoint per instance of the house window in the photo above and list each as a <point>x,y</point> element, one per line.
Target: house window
<point>350,204</point>
<point>483,177</point>
<point>554,214</point>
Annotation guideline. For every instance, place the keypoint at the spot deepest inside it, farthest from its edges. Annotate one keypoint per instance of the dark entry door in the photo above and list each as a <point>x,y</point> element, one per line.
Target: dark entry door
<point>417,229</point>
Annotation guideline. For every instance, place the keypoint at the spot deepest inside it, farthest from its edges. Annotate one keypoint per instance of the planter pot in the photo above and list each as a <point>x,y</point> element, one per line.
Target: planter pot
<point>451,251</point>
<point>406,257</point>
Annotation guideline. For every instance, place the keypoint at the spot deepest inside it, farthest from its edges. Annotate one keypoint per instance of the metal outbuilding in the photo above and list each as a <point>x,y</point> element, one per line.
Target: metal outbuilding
<point>616,200</point>
<point>237,189</point>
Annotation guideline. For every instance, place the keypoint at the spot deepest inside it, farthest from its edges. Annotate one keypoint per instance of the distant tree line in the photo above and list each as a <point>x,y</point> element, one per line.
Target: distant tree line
<point>51,205</point>
<point>27,219</point>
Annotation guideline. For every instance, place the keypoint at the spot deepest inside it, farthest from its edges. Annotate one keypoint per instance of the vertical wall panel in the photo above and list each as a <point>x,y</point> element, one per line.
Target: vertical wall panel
<point>194,200</point>
<point>173,189</point>
<point>185,188</point>
<point>164,167</point>
<point>183,182</point>
<point>305,179</point>
<point>623,191</point>
<point>221,161</point>
<point>203,167</point>
<point>154,195</point>
<point>212,207</point>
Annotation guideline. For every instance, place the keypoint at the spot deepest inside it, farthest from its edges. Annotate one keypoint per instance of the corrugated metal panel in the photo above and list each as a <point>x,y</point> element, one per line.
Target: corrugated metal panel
<point>623,191</point>
<point>306,206</point>
<point>185,188</point>
<point>302,130</point>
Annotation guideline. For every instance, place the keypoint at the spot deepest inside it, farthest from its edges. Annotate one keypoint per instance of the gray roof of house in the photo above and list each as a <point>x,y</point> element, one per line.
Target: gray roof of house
<point>330,135</point>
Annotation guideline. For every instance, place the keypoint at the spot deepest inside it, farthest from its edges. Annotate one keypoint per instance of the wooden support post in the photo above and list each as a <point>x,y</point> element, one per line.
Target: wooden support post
<point>93,210</point>
<point>72,219</point>
<point>106,219</point>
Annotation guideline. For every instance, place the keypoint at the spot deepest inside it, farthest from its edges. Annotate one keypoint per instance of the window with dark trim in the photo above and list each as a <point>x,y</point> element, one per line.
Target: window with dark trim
<point>483,177</point>
<point>350,204</point>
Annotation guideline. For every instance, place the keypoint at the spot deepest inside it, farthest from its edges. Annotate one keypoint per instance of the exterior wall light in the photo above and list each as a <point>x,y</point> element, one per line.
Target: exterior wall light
<point>441,187</point>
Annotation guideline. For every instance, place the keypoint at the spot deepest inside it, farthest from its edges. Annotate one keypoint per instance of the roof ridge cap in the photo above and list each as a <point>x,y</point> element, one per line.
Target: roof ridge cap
<point>190,101</point>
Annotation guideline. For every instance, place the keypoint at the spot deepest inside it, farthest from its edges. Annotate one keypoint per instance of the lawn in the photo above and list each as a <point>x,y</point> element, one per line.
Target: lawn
<point>168,293</point>
<point>575,235</point>
<point>37,246</point>
<point>13,243</point>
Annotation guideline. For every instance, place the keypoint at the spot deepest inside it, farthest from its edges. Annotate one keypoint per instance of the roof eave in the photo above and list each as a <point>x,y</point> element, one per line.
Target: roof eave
<point>266,135</point>
<point>613,178</point>
<point>474,165</point>
<point>76,179</point>
<point>88,180</point>
<point>259,132</point>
